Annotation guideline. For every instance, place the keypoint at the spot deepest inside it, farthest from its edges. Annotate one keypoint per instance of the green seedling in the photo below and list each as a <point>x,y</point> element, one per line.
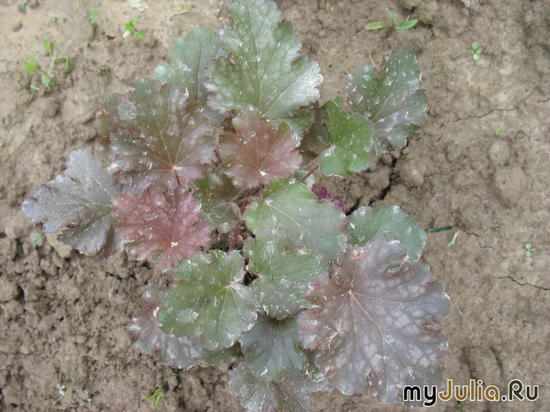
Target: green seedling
<point>94,14</point>
<point>24,5</point>
<point>156,396</point>
<point>31,65</point>
<point>476,51</point>
<point>47,78</point>
<point>131,29</point>
<point>48,45</point>
<point>529,250</point>
<point>378,25</point>
<point>453,240</point>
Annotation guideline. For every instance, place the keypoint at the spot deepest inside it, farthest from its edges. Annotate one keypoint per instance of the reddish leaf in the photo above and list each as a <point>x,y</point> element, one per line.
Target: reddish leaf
<point>155,137</point>
<point>167,348</point>
<point>258,151</point>
<point>375,322</point>
<point>162,227</point>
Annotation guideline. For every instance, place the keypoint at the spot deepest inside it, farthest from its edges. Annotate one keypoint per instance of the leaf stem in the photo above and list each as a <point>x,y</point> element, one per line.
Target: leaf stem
<point>309,174</point>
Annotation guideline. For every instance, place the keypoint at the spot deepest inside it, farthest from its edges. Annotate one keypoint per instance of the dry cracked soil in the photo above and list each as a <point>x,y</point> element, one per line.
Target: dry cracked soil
<point>480,165</point>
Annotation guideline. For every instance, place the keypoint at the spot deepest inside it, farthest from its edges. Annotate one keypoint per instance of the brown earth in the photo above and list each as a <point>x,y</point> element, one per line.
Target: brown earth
<point>477,165</point>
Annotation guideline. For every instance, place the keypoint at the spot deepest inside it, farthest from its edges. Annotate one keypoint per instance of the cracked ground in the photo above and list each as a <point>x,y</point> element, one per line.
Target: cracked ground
<point>478,166</point>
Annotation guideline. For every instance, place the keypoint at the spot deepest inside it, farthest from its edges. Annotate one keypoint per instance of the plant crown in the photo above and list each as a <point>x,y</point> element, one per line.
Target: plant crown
<point>202,172</point>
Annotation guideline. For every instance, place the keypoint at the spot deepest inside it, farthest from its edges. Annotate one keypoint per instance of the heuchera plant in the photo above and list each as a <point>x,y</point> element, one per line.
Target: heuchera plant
<point>203,171</point>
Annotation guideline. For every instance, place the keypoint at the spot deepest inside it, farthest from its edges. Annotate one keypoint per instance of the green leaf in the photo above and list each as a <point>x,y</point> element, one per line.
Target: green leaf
<point>30,65</point>
<point>210,300</point>
<point>80,200</point>
<point>187,61</point>
<point>48,45</point>
<point>282,274</point>
<point>292,394</point>
<point>265,69</point>
<point>218,195</point>
<point>290,206</point>
<point>407,25</point>
<point>391,221</point>
<point>393,102</point>
<point>377,25</point>
<point>393,19</point>
<point>350,138</point>
<point>271,348</point>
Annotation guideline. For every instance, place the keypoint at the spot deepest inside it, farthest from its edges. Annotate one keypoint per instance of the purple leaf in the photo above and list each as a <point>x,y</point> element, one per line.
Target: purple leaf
<point>162,227</point>
<point>155,137</point>
<point>374,322</point>
<point>291,394</point>
<point>168,349</point>
<point>258,151</point>
<point>80,200</point>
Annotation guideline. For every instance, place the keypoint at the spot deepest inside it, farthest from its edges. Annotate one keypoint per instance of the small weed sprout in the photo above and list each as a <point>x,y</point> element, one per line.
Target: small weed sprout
<point>453,240</point>
<point>47,78</point>
<point>529,250</point>
<point>131,29</point>
<point>378,25</point>
<point>476,51</point>
<point>93,16</point>
<point>31,65</point>
<point>156,396</point>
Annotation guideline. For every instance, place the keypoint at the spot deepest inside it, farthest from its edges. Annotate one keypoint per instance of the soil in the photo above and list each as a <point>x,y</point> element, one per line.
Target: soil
<point>478,165</point>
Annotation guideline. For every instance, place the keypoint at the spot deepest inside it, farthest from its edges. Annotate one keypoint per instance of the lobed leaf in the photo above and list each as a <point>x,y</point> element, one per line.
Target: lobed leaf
<point>168,349</point>
<point>161,140</point>
<point>291,394</point>
<point>290,206</point>
<point>210,300</point>
<point>350,138</point>
<point>162,227</point>
<point>218,195</point>
<point>282,274</point>
<point>367,223</point>
<point>271,348</point>
<point>393,102</point>
<point>265,69</point>
<point>80,201</point>
<point>375,322</point>
<point>258,151</point>
<point>187,60</point>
